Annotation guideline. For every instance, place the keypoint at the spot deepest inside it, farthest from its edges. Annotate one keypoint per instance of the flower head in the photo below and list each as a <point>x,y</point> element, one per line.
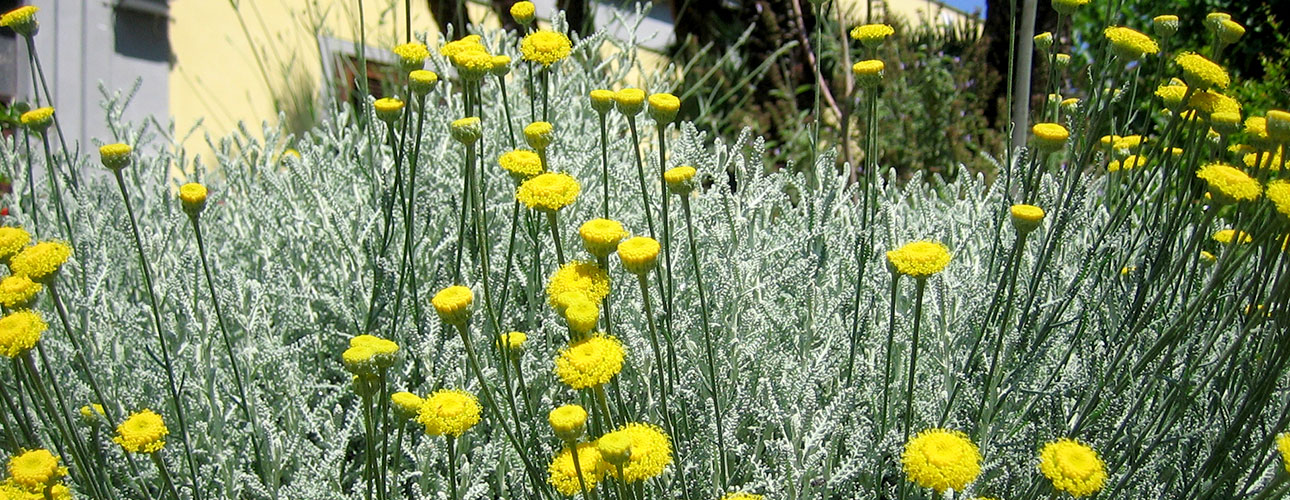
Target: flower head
<point>1044,41</point>
<point>453,304</point>
<point>1229,31</point>
<point>651,452</point>
<point>568,422</point>
<point>1228,236</point>
<point>538,134</point>
<point>941,459</point>
<point>21,20</point>
<point>473,64</point>
<point>583,277</point>
<point>1164,26</point>
<point>869,72</point>
<point>602,100</point>
<point>422,81</point>
<point>1067,7</point>
<point>548,192</point>
<point>740,495</point>
<point>383,352</point>
<point>680,180</point>
<point>545,47</point>
<point>601,236</point>
<point>523,12</point>
<point>388,109</point>
<point>407,406</point>
<point>115,156</point>
<point>1050,136</point>
<point>630,101</point>
<point>193,198</point>
<point>19,332</point>
<point>512,341</point>
<point>1228,184</point>
<point>501,65</point>
<point>12,241</point>
<point>919,259</point>
<point>521,164</point>
<point>1202,73</point>
<point>1129,163</point>
<point>564,475</point>
<point>411,55</point>
<point>1278,125</point>
<point>36,469</point>
<point>142,432</point>
<point>449,412</point>
<point>615,448</point>
<point>466,130</point>
<point>41,261</point>
<point>1278,192</point>
<point>18,291</point>
<point>590,362</point>
<point>582,316</point>
<point>1283,446</point>
<point>1130,44</point>
<point>38,119</point>
<point>1072,467</point>
<point>639,255</point>
<point>872,34</point>
<point>663,107</point>
<point>92,414</point>
<point>466,43</point>
<point>1026,218</point>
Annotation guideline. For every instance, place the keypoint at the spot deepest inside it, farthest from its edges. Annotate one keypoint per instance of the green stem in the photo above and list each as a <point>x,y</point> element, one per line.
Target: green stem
<point>921,285</point>
<point>452,466</point>
<point>707,340</point>
<point>164,473</point>
<point>577,467</point>
<point>604,167</point>
<point>552,218</point>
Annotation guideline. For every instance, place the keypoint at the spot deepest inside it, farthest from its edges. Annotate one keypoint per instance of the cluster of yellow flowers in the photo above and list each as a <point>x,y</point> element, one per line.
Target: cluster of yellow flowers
<point>33,474</point>
<point>942,459</point>
<point>632,453</point>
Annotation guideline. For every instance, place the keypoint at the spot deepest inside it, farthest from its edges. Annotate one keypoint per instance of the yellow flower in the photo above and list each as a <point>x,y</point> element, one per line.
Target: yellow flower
<point>512,341</point>
<point>1130,162</point>
<point>582,316</point>
<point>421,81</point>
<point>1072,467</point>
<point>584,277</point>
<point>941,459</point>
<point>1202,73</point>
<point>453,304</point>
<point>21,20</point>
<point>1278,193</point>
<point>384,352</point>
<point>1067,7</point>
<point>1069,104</point>
<point>142,432</point>
<point>193,197</point>
<point>38,119</point>
<point>1128,142</point>
<point>1278,125</point>
<point>1227,184</point>
<point>1229,31</point>
<point>538,134</point>
<point>568,422</point>
<point>359,360</point>
<point>1164,26</point>
<point>18,291</point>
<point>564,476</point>
<point>115,156</point>
<point>1130,44</point>
<point>411,55</point>
<point>92,413</point>
<point>545,47</point>
<point>41,261</point>
<point>1050,137</point>
<point>1026,218</point>
<point>1044,41</point>
<point>919,259</point>
<point>521,164</point>
<point>680,180</point>
<point>1226,122</point>
<point>868,72</point>
<point>388,108</point>
<point>663,107</point>
<point>601,236</point>
<point>872,34</point>
<point>1208,257</point>
<point>739,495</point>
<point>523,12</point>
<point>1283,446</point>
<point>466,130</point>
<point>407,406</point>
<point>466,43</point>
<point>1227,236</point>
<point>548,192</point>
<point>36,469</point>
<point>1214,20</point>
<point>1207,103</point>
<point>630,101</point>
<point>590,362</point>
<point>449,412</point>
<point>501,65</point>
<point>615,448</point>
<point>1171,94</point>
<point>602,100</point>
<point>639,254</point>
<point>651,452</point>
<point>473,64</point>
<point>12,241</point>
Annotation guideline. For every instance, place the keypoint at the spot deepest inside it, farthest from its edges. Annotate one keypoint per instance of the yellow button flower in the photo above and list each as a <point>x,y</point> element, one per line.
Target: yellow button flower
<point>388,109</point>
<point>115,156</point>
<point>41,261</point>
<point>1026,218</point>
<point>36,469</point>
<point>421,81</point>
<point>12,241</point>
<point>1228,184</point>
<point>680,180</point>
<point>18,291</point>
<point>602,100</point>
<point>590,362</point>
<point>871,34</point>
<point>630,101</point>
<point>568,422</point>
<point>601,236</point>
<point>193,197</point>
<point>523,12</point>
<point>412,55</point>
<point>539,134</point>
<point>453,304</point>
<point>466,130</point>
<point>548,192</point>
<point>38,119</point>
<point>941,459</point>
<point>919,259</point>
<point>19,332</point>
<point>663,107</point>
<point>1072,467</point>
<point>449,412</point>
<point>869,72</point>
<point>545,47</point>
<point>407,406</point>
<point>639,255</point>
<point>521,164</point>
<point>21,20</point>
<point>1202,73</point>
<point>583,277</point>
<point>651,452</point>
<point>142,432</point>
<point>564,475</point>
<point>1130,44</point>
<point>1050,137</point>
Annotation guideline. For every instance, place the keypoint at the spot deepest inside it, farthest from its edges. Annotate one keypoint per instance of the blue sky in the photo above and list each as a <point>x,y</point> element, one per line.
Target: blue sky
<point>968,5</point>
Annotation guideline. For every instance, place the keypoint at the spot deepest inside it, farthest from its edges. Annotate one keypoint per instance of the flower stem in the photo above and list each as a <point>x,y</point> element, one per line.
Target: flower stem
<point>707,340</point>
<point>552,218</point>
<point>452,466</point>
<point>920,287</point>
